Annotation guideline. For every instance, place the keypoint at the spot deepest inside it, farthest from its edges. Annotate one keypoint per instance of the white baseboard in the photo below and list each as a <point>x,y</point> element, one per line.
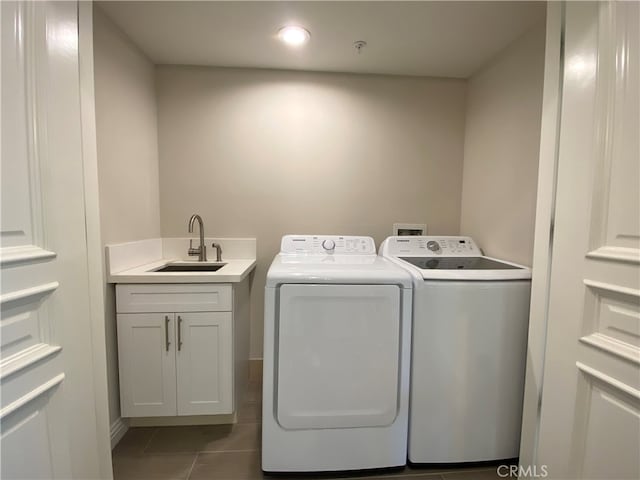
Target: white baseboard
<point>118,429</point>
<point>183,420</point>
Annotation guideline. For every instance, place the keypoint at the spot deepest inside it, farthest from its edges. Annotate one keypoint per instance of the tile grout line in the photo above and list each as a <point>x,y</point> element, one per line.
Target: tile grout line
<point>400,476</point>
<point>144,450</point>
<point>220,449</point>
<point>245,450</point>
<point>193,464</point>
<point>441,473</point>
<point>193,452</point>
<point>438,474</point>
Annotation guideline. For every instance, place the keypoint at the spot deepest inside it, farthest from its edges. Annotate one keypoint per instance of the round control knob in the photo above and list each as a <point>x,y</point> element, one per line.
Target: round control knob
<point>328,244</point>
<point>433,246</point>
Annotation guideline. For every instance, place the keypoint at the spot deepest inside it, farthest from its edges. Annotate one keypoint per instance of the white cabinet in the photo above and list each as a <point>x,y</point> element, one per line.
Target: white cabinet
<point>204,363</point>
<point>175,360</point>
<point>147,364</point>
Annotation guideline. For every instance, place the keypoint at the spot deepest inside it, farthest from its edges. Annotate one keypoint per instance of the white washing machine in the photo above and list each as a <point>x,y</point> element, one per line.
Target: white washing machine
<point>470,320</point>
<point>337,329</point>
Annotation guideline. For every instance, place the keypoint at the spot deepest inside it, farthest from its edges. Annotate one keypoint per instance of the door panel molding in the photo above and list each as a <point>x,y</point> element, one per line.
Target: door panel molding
<point>612,319</point>
<point>615,224</point>
<point>34,424</point>
<point>609,380</point>
<point>24,254</point>
<point>614,347</point>
<point>27,358</point>
<point>32,395</point>
<point>26,321</point>
<point>616,254</point>
<point>31,292</point>
<point>610,405</point>
<point>23,218</point>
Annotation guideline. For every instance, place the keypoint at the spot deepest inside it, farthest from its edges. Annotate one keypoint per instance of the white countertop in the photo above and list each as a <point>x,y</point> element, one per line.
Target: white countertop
<point>234,271</point>
<point>136,262</point>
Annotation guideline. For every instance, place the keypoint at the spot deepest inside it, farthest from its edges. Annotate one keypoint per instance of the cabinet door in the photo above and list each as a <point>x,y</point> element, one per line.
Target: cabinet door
<point>204,362</point>
<point>146,346</point>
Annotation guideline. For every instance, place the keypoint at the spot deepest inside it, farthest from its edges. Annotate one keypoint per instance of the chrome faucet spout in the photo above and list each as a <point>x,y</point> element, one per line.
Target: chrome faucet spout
<point>201,251</point>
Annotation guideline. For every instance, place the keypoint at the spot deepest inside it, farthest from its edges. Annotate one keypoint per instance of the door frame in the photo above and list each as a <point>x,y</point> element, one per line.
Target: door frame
<point>543,233</point>
<point>94,243</point>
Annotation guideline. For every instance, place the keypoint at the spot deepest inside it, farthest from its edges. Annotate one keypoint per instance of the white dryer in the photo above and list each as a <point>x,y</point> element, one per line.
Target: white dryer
<point>337,332</point>
<point>470,320</point>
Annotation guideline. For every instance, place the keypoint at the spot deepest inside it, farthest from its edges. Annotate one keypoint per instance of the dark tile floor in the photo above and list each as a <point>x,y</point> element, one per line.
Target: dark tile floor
<point>229,452</point>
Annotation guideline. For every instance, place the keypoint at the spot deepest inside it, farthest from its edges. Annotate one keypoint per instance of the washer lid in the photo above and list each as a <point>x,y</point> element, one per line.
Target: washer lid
<point>448,258</point>
<point>458,263</point>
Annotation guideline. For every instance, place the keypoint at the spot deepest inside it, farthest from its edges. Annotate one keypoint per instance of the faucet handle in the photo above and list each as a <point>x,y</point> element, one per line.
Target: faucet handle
<point>192,252</point>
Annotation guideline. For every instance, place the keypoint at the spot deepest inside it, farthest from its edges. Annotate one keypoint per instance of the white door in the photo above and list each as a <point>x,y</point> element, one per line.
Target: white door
<point>338,356</point>
<point>49,422</point>
<point>205,363</point>
<point>590,417</point>
<point>147,360</point>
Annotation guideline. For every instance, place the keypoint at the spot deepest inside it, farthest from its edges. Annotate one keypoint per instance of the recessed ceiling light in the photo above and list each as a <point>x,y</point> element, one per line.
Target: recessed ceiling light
<point>293,35</point>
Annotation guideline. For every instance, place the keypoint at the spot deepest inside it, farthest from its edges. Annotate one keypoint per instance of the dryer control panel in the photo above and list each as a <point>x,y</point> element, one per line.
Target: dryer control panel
<point>327,244</point>
<point>432,246</point>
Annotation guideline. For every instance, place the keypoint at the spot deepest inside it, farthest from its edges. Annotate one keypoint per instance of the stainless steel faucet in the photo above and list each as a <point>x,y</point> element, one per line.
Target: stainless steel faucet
<point>201,251</point>
<point>218,251</point>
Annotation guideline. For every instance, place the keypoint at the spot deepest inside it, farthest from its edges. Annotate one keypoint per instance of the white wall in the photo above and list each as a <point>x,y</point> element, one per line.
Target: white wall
<point>127,143</point>
<point>504,103</point>
<point>264,153</point>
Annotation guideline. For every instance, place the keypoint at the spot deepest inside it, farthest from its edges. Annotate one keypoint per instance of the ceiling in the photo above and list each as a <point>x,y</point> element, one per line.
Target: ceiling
<point>445,39</point>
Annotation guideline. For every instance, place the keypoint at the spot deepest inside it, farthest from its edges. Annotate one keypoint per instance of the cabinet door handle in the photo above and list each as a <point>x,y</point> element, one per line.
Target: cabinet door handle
<point>166,333</point>
<point>179,333</point>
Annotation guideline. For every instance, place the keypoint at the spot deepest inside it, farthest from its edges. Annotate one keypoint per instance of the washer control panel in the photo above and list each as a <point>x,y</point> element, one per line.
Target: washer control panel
<point>327,244</point>
<point>431,246</point>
